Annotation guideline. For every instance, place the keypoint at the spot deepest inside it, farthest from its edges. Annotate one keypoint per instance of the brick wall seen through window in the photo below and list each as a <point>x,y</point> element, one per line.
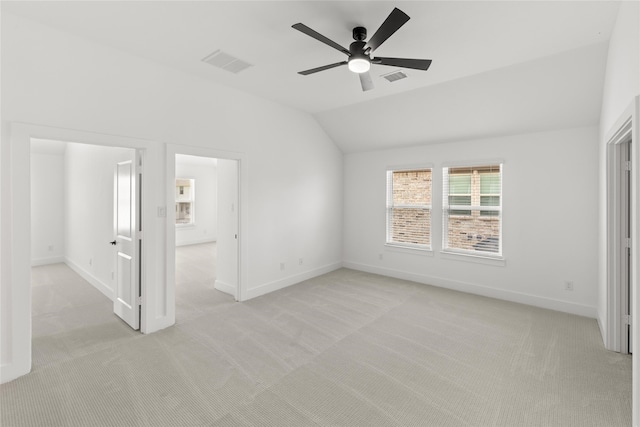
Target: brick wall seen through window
<point>409,207</point>
<point>467,226</point>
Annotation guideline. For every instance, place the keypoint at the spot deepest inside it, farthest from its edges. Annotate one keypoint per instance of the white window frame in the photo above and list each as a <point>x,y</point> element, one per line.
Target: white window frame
<point>191,200</point>
<point>390,206</point>
<point>446,207</point>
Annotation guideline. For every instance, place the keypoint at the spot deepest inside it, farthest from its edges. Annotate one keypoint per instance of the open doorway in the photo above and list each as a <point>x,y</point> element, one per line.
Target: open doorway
<point>205,252</point>
<point>75,273</point>
<point>155,313</point>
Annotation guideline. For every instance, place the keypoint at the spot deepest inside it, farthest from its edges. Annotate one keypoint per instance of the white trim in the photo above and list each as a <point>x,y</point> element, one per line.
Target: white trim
<point>601,324</point>
<point>471,163</point>
<point>408,248</point>
<point>476,289</point>
<point>196,241</point>
<point>635,260</point>
<point>19,337</point>
<point>186,225</point>
<point>410,167</point>
<point>225,287</point>
<point>172,150</point>
<point>46,261</point>
<point>477,258</point>
<point>94,281</point>
<point>19,256</point>
<point>610,330</point>
<point>291,280</point>
<point>619,133</point>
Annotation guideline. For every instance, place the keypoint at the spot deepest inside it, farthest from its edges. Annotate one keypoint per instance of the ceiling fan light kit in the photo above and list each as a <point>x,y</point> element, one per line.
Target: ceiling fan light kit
<point>359,65</point>
<point>359,53</point>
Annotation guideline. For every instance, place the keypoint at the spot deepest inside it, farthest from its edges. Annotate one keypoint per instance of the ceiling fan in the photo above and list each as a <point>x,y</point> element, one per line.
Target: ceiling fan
<point>359,53</point>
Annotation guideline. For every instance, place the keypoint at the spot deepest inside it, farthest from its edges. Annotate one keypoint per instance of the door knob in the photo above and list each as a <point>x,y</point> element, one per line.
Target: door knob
<point>113,243</point>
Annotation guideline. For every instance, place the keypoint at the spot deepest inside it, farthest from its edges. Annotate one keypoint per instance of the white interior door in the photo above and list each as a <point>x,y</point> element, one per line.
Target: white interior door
<point>127,242</point>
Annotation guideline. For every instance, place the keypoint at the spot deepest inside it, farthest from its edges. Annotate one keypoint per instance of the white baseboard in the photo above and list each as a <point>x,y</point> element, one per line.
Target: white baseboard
<point>472,288</point>
<point>603,331</point>
<point>14,370</point>
<point>195,241</point>
<point>47,261</point>
<point>97,283</point>
<point>225,287</point>
<point>290,280</point>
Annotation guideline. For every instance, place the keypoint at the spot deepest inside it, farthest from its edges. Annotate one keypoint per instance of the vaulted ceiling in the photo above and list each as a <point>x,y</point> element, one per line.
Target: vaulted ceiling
<point>498,67</point>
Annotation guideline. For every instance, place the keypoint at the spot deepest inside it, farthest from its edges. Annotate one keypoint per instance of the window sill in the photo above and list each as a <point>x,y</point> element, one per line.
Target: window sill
<point>416,250</point>
<point>496,260</point>
<point>192,225</point>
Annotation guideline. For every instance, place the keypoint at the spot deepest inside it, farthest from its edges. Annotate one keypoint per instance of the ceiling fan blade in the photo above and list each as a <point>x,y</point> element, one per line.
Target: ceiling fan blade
<point>324,67</point>
<point>316,35</point>
<point>394,21</point>
<point>365,81</point>
<point>416,64</point>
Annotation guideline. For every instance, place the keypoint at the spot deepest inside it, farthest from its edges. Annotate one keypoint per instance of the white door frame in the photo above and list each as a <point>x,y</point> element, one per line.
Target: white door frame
<point>17,334</point>
<point>618,206</point>
<point>170,167</point>
<point>627,123</point>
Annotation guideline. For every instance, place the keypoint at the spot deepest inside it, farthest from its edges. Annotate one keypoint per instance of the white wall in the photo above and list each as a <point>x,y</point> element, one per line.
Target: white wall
<point>47,208</point>
<point>204,171</point>
<point>295,170</point>
<point>549,220</point>
<point>621,86</point>
<point>292,176</point>
<point>227,262</point>
<point>561,91</point>
<point>6,255</point>
<point>89,175</point>
<point>622,77</point>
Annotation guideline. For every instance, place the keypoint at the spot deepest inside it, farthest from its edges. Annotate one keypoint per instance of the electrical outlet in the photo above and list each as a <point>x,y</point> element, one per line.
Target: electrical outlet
<point>568,285</point>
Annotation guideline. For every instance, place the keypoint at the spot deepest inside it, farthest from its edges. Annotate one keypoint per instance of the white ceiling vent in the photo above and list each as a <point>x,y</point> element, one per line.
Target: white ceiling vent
<point>395,76</point>
<point>227,62</point>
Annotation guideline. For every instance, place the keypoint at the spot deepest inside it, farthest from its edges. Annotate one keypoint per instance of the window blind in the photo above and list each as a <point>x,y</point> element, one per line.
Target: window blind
<point>472,209</point>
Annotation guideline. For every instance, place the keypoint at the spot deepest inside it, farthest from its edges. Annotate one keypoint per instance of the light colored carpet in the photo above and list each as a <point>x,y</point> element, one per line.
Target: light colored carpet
<point>344,349</point>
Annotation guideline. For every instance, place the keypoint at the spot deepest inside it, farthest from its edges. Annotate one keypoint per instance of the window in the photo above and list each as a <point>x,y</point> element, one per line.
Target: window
<point>409,208</point>
<point>489,192</point>
<point>472,209</point>
<point>185,199</point>
<point>460,191</point>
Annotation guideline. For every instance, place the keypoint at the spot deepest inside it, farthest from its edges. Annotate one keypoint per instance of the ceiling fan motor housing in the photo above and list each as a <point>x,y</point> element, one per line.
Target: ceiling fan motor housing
<point>356,48</point>
<point>359,33</point>
<point>359,53</point>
